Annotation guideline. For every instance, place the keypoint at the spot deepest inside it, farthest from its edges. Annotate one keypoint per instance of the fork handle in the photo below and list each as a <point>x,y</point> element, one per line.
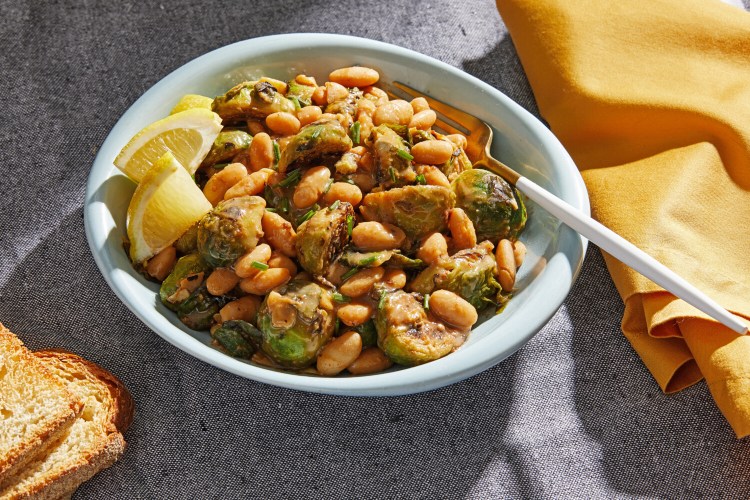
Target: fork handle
<point>628,254</point>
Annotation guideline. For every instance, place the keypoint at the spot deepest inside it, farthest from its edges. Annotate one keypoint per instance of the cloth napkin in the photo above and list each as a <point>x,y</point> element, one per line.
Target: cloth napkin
<point>652,100</point>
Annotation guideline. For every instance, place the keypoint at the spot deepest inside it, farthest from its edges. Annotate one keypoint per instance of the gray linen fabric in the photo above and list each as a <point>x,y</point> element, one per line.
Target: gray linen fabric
<point>572,414</point>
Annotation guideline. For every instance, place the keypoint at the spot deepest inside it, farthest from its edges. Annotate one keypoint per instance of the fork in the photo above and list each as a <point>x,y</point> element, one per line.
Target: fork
<point>479,135</point>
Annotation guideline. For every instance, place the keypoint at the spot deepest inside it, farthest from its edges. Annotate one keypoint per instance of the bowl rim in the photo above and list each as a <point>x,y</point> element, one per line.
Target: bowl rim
<point>410,380</point>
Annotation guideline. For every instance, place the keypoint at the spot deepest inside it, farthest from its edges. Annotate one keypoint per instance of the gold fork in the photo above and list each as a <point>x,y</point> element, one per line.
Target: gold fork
<point>479,135</point>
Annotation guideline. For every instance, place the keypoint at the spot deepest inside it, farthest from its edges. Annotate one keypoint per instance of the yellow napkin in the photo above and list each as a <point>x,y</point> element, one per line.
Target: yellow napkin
<point>652,100</point>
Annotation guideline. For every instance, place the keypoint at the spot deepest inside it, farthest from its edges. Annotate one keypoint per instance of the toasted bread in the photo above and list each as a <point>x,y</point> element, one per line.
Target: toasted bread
<point>36,408</point>
<point>93,442</point>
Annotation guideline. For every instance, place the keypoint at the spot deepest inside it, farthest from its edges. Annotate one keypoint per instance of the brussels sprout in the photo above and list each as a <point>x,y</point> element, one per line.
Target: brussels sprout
<point>227,145</point>
<point>417,210</point>
<point>458,163</point>
<point>469,273</point>
<point>346,106</point>
<point>296,321</point>
<point>186,276</point>
<point>407,335</point>
<point>390,258</point>
<point>320,239</point>
<point>238,338</point>
<point>391,156</point>
<point>493,205</point>
<point>197,312</point>
<point>188,242</point>
<point>303,93</point>
<point>232,228</point>
<point>250,100</point>
<point>315,143</point>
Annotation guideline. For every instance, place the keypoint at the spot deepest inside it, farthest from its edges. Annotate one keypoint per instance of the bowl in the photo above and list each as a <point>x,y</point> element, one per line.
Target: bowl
<point>555,253</point>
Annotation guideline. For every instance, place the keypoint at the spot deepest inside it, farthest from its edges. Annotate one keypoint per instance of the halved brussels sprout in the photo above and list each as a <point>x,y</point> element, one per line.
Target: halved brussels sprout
<point>232,228</point>
<point>321,239</point>
<point>186,277</point>
<point>417,210</point>
<point>315,143</point>
<point>493,205</point>
<point>188,242</point>
<point>469,273</point>
<point>407,335</point>
<point>197,312</point>
<point>303,93</point>
<point>250,100</point>
<point>296,320</point>
<point>458,163</point>
<point>390,258</point>
<point>238,338</point>
<point>391,156</point>
<point>347,106</point>
<point>227,145</point>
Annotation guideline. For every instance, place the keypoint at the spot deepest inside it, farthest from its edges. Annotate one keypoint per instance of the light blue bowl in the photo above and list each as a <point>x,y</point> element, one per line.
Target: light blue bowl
<point>555,253</point>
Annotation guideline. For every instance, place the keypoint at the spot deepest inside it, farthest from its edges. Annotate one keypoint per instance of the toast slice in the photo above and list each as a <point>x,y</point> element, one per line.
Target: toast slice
<point>36,408</point>
<point>92,443</point>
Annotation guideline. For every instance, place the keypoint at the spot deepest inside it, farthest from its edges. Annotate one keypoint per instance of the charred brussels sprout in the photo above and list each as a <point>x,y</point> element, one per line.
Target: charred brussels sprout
<point>407,335</point>
<point>303,93</point>
<point>391,155</point>
<point>417,210</point>
<point>238,338</point>
<point>295,322</point>
<point>493,205</point>
<point>227,145</point>
<point>458,163</point>
<point>390,258</point>
<point>197,312</point>
<point>316,142</point>
<point>232,228</point>
<point>250,100</point>
<point>469,273</point>
<point>187,243</point>
<point>186,277</point>
<point>320,239</point>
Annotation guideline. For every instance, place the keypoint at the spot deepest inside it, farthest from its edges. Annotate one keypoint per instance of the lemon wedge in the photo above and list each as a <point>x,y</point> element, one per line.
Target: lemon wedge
<point>192,101</point>
<point>188,135</point>
<point>165,204</point>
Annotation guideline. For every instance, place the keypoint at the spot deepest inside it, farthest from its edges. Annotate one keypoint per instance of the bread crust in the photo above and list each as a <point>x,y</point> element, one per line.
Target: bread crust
<point>19,456</point>
<point>101,454</point>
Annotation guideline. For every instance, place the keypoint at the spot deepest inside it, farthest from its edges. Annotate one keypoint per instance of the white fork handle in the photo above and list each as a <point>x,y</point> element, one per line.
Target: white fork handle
<point>629,254</point>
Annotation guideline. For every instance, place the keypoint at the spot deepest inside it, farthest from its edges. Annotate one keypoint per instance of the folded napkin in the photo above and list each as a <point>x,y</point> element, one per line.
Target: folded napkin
<point>652,100</point>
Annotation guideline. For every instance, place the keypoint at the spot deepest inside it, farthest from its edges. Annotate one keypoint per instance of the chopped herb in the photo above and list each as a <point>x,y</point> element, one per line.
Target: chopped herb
<point>404,154</point>
<point>308,215</point>
<point>270,209</point>
<point>349,225</point>
<point>393,173</point>
<point>328,186</point>
<point>355,132</point>
<point>351,272</point>
<point>340,298</point>
<point>285,205</point>
<point>369,260</point>
<point>295,100</point>
<point>291,178</point>
<point>276,152</point>
<point>381,302</point>
<point>259,265</point>
<point>349,180</point>
<point>317,132</point>
<point>336,328</point>
<point>220,166</point>
<point>334,205</point>
<point>426,302</point>
<point>421,179</point>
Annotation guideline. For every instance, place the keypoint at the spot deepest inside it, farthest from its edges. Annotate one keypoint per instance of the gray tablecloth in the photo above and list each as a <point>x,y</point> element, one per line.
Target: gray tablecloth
<point>573,413</point>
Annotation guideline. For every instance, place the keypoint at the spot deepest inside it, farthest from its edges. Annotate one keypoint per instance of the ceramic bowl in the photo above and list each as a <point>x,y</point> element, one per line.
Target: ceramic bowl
<point>555,253</point>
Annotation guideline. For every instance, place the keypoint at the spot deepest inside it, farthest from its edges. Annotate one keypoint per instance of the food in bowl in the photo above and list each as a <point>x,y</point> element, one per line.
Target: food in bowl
<point>328,227</point>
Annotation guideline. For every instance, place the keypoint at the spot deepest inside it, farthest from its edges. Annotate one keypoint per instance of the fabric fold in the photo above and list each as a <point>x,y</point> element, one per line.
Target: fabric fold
<point>652,100</point>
